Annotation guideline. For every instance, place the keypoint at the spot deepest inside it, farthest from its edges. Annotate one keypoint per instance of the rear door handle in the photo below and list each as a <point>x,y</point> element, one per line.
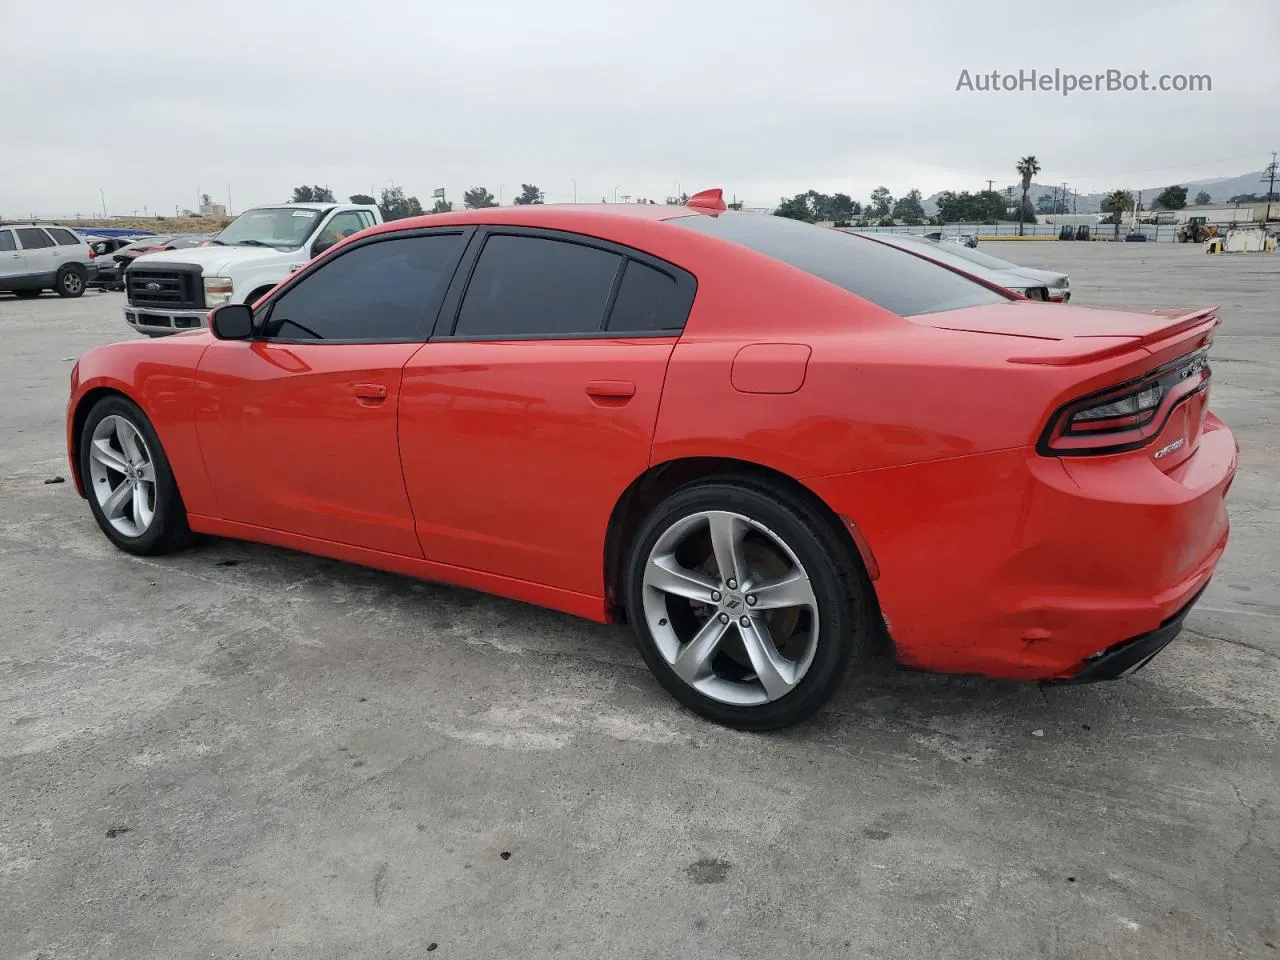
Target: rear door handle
<point>610,389</point>
<point>370,392</point>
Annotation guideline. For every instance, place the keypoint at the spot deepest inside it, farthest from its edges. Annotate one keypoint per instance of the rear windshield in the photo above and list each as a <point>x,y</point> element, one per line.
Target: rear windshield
<point>888,277</point>
<point>946,250</point>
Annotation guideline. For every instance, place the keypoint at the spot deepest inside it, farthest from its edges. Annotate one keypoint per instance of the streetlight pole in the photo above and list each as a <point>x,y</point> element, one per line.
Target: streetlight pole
<point>615,193</point>
<point>575,189</point>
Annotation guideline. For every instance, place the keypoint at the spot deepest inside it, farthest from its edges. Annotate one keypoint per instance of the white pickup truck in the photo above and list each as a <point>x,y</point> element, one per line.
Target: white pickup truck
<point>173,290</point>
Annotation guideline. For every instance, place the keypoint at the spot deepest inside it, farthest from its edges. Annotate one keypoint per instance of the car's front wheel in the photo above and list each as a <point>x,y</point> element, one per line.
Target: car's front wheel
<point>130,487</point>
<point>746,604</point>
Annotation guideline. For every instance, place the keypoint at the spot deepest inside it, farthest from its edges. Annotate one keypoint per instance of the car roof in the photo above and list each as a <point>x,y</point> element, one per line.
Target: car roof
<point>553,215</point>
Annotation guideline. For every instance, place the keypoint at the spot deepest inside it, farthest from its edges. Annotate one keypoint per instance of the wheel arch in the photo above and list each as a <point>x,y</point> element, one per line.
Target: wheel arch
<point>663,479</point>
<point>84,404</point>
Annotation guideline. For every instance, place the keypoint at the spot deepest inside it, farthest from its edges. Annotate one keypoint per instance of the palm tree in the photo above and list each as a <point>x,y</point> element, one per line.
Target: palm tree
<point>1028,167</point>
<point>1117,201</point>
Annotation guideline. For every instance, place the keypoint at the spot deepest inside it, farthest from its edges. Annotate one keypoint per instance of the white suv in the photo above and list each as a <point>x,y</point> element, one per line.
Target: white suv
<point>35,258</point>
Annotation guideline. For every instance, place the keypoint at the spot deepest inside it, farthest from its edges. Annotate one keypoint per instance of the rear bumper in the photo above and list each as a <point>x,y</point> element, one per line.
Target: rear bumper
<point>1015,565</point>
<point>1130,656</point>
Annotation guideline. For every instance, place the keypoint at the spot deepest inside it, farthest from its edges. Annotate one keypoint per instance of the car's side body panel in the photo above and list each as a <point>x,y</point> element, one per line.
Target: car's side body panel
<point>303,438</point>
<point>515,453</point>
<point>160,378</point>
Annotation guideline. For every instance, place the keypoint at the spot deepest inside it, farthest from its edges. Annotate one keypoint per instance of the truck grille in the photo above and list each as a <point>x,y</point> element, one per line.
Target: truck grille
<point>176,286</point>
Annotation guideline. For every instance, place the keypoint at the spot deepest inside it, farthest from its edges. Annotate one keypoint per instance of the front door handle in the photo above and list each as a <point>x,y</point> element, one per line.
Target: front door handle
<point>615,390</point>
<point>370,392</point>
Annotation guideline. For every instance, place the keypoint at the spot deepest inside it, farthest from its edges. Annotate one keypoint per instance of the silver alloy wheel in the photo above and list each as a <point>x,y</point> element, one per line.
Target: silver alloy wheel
<point>123,475</point>
<point>71,282</point>
<point>715,622</point>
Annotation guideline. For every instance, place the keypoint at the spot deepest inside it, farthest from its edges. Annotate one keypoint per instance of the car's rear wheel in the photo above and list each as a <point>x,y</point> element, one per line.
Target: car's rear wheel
<point>746,605</point>
<point>70,282</point>
<point>130,487</point>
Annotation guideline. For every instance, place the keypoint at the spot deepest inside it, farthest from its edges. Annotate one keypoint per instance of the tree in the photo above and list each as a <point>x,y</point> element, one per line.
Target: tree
<point>797,208</point>
<point>909,208</point>
<point>477,197</point>
<point>844,207</point>
<point>396,206</point>
<point>363,199</point>
<point>1202,198</point>
<point>1172,198</point>
<point>312,194</point>
<point>1116,203</point>
<point>965,207</point>
<point>442,206</point>
<point>528,194</point>
<point>732,206</point>
<point>881,202</point>
<point>1027,168</point>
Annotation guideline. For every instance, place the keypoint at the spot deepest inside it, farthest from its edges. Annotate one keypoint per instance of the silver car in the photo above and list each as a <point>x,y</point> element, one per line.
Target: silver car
<point>1034,284</point>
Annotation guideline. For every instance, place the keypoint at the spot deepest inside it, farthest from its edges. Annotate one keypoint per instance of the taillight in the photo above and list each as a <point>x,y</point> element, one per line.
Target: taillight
<point>1126,416</point>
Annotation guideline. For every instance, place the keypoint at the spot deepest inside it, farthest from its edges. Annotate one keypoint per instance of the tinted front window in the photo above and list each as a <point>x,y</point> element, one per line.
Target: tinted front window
<point>890,278</point>
<point>33,239</point>
<point>6,241</point>
<point>529,286</point>
<point>379,291</point>
<point>648,300</point>
<point>65,238</point>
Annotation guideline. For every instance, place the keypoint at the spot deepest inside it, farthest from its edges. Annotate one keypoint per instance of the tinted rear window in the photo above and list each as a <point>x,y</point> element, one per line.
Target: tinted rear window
<point>648,300</point>
<point>888,277</point>
<point>530,286</point>
<point>65,238</point>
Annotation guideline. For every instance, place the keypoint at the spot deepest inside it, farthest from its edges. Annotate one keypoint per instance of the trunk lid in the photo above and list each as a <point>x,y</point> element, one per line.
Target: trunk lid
<point>1068,334</point>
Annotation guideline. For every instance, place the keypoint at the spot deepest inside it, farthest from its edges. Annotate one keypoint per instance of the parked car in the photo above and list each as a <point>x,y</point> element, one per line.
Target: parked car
<point>102,250</point>
<point>768,446</point>
<point>174,290</point>
<point>1056,286</point>
<point>963,239</point>
<point>39,257</point>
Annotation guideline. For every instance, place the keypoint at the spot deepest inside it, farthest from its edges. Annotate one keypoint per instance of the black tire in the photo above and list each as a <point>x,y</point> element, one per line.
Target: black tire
<point>71,281</point>
<point>27,294</point>
<point>168,530</point>
<point>839,581</point>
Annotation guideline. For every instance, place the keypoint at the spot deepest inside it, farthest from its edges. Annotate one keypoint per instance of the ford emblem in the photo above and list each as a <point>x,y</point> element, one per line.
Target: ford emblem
<point>153,286</point>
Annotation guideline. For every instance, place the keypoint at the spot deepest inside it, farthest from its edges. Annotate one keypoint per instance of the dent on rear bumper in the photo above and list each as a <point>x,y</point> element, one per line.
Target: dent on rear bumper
<point>1015,565</point>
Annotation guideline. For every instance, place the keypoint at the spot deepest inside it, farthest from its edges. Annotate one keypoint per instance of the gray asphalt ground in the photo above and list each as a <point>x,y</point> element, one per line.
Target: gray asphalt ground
<point>243,752</point>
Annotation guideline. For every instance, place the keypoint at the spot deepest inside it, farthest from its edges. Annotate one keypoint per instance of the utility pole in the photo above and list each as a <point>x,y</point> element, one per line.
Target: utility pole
<point>1269,176</point>
<point>989,183</point>
<point>1064,198</point>
<point>103,195</point>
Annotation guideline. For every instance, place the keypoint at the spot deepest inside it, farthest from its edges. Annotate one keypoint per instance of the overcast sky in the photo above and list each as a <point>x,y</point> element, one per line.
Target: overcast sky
<point>152,101</point>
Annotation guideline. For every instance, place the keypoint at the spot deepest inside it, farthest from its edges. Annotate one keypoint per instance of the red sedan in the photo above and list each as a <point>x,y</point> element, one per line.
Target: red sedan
<point>769,447</point>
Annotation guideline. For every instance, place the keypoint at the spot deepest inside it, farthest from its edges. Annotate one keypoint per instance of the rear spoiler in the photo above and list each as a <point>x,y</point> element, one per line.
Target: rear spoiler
<point>1069,352</point>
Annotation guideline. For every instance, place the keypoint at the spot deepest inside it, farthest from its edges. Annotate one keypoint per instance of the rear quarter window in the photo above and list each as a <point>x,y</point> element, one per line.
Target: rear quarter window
<point>888,277</point>
<point>65,238</point>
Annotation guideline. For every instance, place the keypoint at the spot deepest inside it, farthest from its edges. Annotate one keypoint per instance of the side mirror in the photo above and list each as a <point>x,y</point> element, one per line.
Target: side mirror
<point>233,321</point>
<point>323,244</point>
